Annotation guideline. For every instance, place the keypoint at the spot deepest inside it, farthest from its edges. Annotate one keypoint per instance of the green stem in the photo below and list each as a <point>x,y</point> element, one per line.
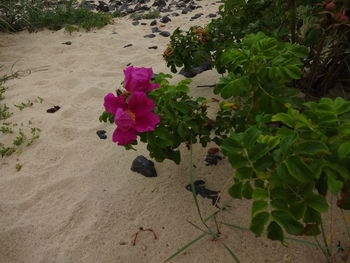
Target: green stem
<point>328,252</point>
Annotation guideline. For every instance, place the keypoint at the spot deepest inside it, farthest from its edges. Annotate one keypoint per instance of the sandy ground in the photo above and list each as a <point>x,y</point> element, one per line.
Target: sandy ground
<point>75,198</point>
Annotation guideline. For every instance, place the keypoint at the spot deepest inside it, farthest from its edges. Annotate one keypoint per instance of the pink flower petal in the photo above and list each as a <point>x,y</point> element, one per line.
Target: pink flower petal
<point>112,103</point>
<point>140,104</point>
<point>122,119</point>
<point>147,122</point>
<point>124,136</point>
<point>138,79</point>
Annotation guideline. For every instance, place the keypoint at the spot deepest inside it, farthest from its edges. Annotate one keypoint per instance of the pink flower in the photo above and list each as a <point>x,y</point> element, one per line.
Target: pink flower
<point>131,116</point>
<point>330,5</point>
<point>138,79</point>
<point>341,17</point>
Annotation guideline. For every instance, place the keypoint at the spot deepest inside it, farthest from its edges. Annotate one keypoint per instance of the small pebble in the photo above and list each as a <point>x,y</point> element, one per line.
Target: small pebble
<point>144,24</point>
<point>67,43</point>
<point>101,134</point>
<point>122,243</point>
<point>127,45</point>
<point>153,23</point>
<point>164,33</point>
<point>53,109</point>
<point>149,36</point>
<point>135,23</point>
<point>153,47</point>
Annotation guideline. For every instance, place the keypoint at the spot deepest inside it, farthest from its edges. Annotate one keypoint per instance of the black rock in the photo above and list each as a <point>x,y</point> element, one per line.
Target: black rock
<point>164,33</point>
<point>153,47</point>
<point>199,188</point>
<point>67,43</point>
<point>159,3</point>
<point>144,24</point>
<point>53,109</point>
<point>127,45</point>
<point>135,23</point>
<point>212,159</point>
<point>101,134</point>
<point>155,30</point>
<point>143,166</point>
<point>196,16</point>
<point>165,19</point>
<point>153,23</point>
<point>196,70</point>
<point>149,36</point>
<point>212,15</point>
<point>102,6</point>
<point>192,6</point>
<point>181,4</point>
<point>175,14</point>
<point>185,11</point>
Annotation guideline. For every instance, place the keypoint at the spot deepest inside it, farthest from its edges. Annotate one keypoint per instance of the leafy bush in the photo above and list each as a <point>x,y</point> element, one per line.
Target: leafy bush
<point>16,15</point>
<point>323,27</point>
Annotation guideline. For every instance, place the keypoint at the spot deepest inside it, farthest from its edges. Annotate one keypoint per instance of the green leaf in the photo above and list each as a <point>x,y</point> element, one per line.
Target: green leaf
<point>258,151</point>
<point>237,160</point>
<point>250,137</point>
<point>311,147</point>
<point>275,232</point>
<point>285,118</point>
<point>333,183</point>
<point>244,173</point>
<point>312,216</point>
<point>247,190</point>
<point>298,209</point>
<point>290,224</point>
<point>260,193</point>
<point>258,223</point>
<point>344,150</point>
<point>292,71</point>
<point>182,130</point>
<point>258,207</point>
<point>317,202</point>
<point>237,87</point>
<point>236,190</point>
<point>298,169</point>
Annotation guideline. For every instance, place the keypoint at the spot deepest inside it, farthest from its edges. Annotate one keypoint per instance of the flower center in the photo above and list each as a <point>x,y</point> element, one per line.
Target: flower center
<point>131,114</point>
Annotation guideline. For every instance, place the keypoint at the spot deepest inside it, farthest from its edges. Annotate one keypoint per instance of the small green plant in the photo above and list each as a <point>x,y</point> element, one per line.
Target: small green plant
<point>4,112</point>
<point>24,105</point>
<point>70,29</point>
<point>2,91</point>
<point>19,166</point>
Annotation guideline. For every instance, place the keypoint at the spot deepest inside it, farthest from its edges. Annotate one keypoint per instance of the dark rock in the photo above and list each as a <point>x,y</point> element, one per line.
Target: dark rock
<point>101,134</point>
<point>175,14</point>
<point>53,109</point>
<point>149,36</point>
<point>102,6</point>
<point>196,16</point>
<point>181,4</point>
<point>67,43</point>
<point>159,3</point>
<point>212,15</point>
<point>135,23</point>
<point>153,23</point>
<point>165,19</point>
<point>192,6</point>
<point>127,45</point>
<point>153,47</point>
<point>165,10</point>
<point>155,30</point>
<point>196,70</point>
<point>212,159</point>
<point>165,34</point>
<point>200,188</point>
<point>114,33</point>
<point>143,166</point>
<point>144,24</point>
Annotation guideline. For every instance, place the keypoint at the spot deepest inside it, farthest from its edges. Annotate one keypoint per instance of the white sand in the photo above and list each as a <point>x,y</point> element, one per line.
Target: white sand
<point>75,198</point>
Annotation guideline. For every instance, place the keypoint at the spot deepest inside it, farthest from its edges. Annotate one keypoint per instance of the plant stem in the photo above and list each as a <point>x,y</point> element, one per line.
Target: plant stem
<point>328,252</point>
<point>293,18</point>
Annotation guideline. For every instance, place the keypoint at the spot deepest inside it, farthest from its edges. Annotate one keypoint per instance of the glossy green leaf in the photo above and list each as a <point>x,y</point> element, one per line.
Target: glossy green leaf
<point>260,193</point>
<point>290,224</point>
<point>258,207</point>
<point>344,150</point>
<point>275,232</point>
<point>317,202</point>
<point>298,169</point>
<point>311,147</point>
<point>236,190</point>
<point>258,223</point>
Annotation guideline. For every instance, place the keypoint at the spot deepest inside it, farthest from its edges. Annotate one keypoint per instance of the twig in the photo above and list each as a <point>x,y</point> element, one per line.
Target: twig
<point>143,230</point>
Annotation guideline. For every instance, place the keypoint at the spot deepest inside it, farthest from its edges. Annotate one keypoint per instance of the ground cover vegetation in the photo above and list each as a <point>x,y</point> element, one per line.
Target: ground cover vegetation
<point>288,142</point>
<point>16,15</point>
